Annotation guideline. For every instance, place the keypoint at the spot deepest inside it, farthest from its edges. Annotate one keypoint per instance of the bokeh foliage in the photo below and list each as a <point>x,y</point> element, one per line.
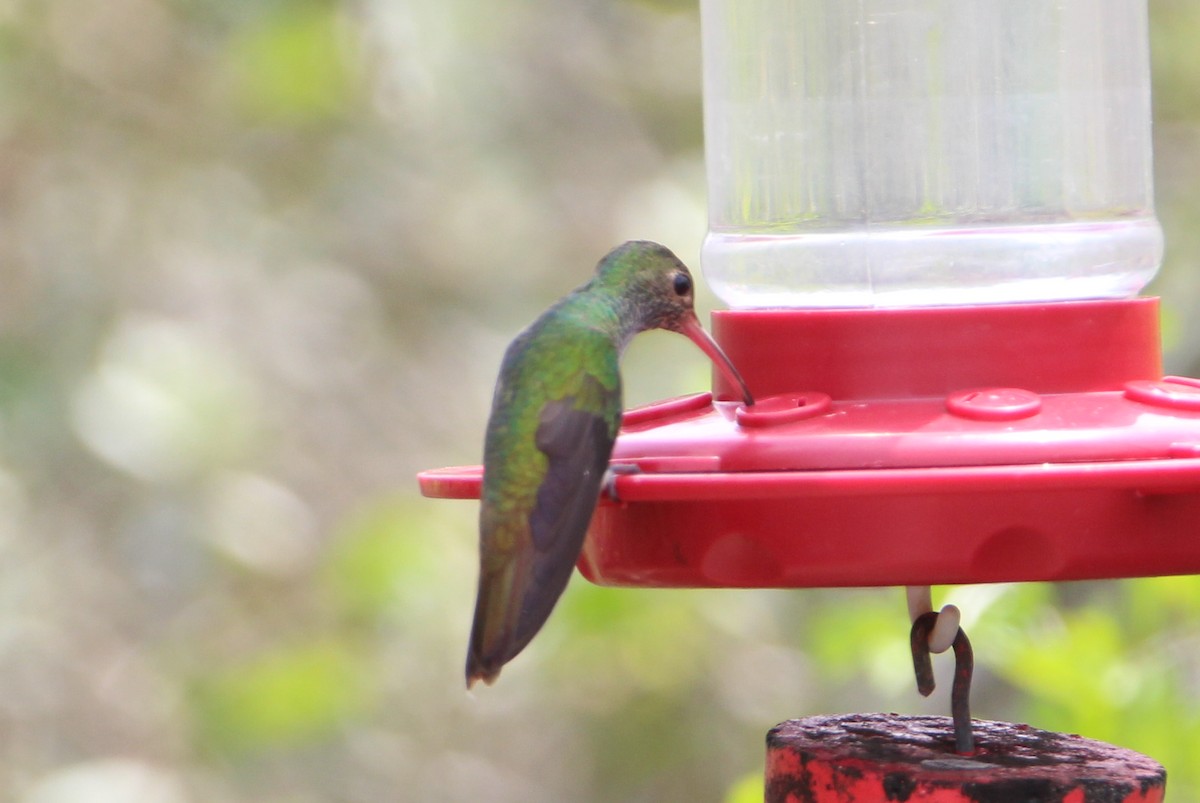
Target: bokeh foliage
<point>260,261</point>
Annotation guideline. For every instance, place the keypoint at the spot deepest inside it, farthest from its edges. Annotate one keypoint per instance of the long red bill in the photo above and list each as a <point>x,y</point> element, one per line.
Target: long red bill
<point>697,334</point>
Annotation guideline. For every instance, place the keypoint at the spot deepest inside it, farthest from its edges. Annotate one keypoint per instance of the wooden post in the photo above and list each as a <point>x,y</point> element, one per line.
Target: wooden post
<point>879,758</point>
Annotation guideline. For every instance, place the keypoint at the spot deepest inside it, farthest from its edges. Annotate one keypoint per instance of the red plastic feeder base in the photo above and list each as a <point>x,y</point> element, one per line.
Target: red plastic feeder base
<point>1024,442</point>
<point>872,758</point>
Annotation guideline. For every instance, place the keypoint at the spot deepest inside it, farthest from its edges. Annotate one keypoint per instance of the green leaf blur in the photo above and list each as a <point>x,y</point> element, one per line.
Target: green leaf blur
<point>281,699</point>
<point>294,66</point>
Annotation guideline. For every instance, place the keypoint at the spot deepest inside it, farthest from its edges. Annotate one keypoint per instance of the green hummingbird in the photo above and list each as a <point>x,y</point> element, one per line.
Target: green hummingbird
<point>554,419</point>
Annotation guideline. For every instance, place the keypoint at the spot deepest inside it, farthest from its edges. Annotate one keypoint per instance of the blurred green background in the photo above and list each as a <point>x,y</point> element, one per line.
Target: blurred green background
<point>260,261</point>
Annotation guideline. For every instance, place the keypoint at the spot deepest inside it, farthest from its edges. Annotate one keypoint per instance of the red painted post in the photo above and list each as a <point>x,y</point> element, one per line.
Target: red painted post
<point>878,758</point>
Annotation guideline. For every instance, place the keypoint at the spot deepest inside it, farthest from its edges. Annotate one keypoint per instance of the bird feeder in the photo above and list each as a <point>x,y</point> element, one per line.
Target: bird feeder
<point>931,220</point>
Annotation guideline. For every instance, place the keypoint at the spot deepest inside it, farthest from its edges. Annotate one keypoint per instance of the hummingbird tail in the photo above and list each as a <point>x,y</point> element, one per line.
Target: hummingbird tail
<point>476,671</point>
<point>491,645</point>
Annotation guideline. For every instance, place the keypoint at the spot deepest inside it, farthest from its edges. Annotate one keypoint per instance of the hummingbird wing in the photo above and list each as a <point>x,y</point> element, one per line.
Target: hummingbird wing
<point>520,585</point>
<point>578,445</point>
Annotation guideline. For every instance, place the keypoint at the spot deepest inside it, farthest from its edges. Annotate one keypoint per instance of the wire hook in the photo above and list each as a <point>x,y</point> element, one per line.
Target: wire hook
<point>960,691</point>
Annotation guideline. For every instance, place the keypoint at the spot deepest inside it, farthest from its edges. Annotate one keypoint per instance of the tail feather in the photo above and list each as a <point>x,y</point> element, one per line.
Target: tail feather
<point>494,637</point>
<point>514,603</point>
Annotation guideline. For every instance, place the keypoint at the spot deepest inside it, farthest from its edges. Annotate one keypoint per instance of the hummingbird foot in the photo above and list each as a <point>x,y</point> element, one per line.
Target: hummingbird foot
<point>609,484</point>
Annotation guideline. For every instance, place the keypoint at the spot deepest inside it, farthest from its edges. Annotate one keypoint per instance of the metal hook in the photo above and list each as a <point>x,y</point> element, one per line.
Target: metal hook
<point>960,692</point>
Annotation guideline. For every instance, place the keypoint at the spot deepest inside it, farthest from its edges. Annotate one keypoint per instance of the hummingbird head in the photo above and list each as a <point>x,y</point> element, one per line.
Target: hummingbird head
<point>656,291</point>
<point>654,287</point>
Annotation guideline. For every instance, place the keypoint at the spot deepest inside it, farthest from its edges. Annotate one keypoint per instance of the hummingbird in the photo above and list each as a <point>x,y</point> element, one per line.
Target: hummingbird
<point>555,416</point>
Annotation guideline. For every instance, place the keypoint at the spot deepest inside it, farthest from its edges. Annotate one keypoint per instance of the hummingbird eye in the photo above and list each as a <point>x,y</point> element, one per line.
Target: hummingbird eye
<point>683,284</point>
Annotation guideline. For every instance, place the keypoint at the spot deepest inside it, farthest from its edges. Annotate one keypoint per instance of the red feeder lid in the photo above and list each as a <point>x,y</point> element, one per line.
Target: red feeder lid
<point>910,447</point>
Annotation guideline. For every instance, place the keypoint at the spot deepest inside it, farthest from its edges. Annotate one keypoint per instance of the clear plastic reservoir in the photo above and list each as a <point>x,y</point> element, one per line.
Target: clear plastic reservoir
<point>926,152</point>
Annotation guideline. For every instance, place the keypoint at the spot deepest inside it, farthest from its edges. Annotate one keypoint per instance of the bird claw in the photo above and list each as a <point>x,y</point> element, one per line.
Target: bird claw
<point>609,483</point>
